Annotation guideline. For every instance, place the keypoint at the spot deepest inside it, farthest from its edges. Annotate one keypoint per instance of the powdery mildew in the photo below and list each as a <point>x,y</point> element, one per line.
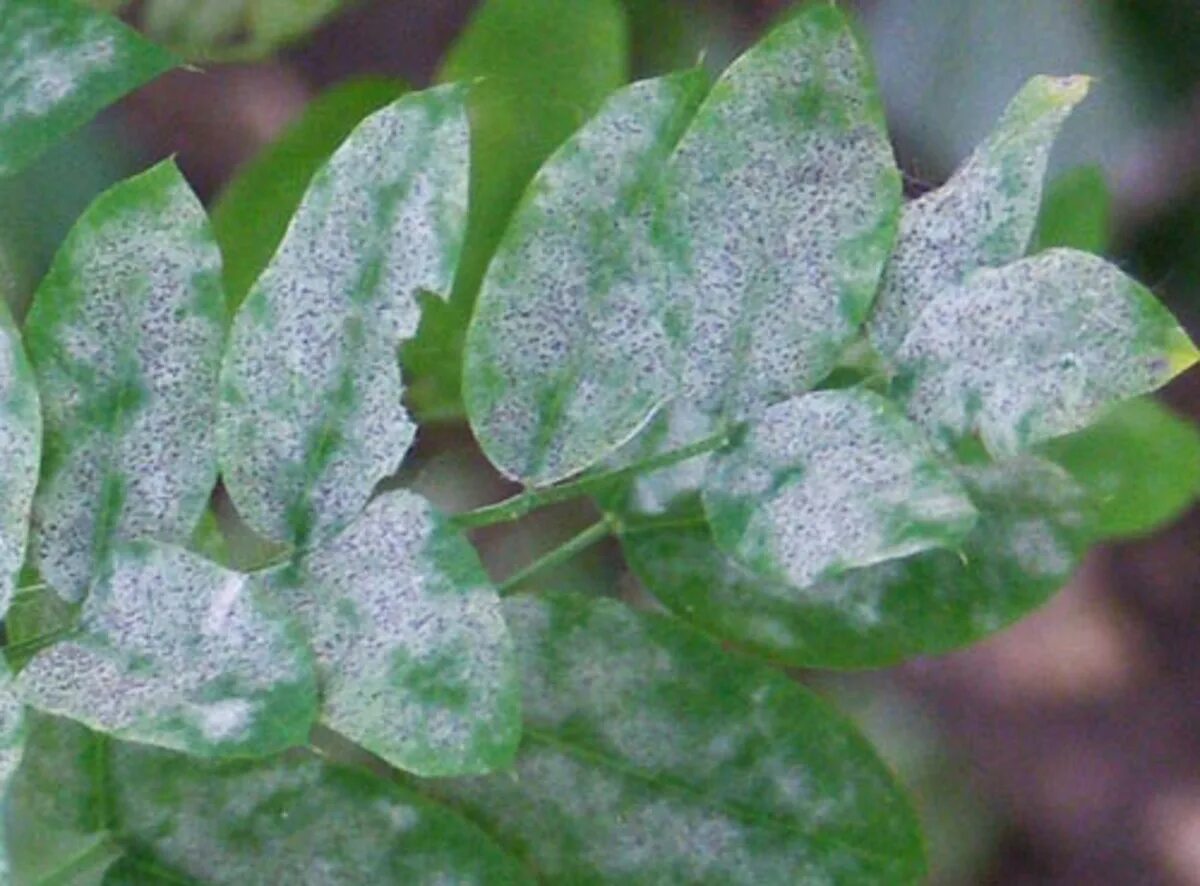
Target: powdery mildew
<point>575,339</point>
<point>59,64</point>
<point>828,482</point>
<point>636,768</point>
<point>983,216</point>
<point>1036,349</point>
<point>20,452</point>
<point>176,651</point>
<point>125,336</point>
<point>413,655</point>
<point>12,742</point>
<point>311,416</point>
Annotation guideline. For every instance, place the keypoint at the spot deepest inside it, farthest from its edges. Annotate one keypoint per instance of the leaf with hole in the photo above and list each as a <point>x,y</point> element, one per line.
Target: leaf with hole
<point>311,416</point>
<point>650,756</point>
<point>125,336</point>
<point>415,662</point>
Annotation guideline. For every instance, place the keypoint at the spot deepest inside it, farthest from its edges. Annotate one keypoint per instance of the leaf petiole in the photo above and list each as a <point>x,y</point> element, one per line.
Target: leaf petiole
<point>561,554</point>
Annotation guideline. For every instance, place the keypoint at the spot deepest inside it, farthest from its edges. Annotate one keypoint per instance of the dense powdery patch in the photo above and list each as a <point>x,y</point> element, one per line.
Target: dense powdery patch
<point>125,336</point>
<point>12,742</point>
<point>311,416</point>
<point>983,216</point>
<point>649,756</point>
<point>1036,349</point>
<point>582,280</point>
<point>20,451</point>
<point>59,65</point>
<point>415,661</point>
<point>831,481</point>
<point>175,651</point>
<point>1029,536</point>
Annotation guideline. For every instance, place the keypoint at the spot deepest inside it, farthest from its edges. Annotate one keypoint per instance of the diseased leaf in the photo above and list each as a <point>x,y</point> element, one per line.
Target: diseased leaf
<point>539,69</point>
<point>176,651</point>
<point>20,451</point>
<point>60,64</point>
<point>57,817</point>
<point>36,618</point>
<point>1140,464</point>
<point>1026,543</point>
<point>828,482</point>
<point>125,336</point>
<point>311,416</point>
<point>251,216</point>
<point>415,662</point>
<point>582,280</point>
<point>12,744</point>
<point>650,756</point>
<point>1077,212</point>
<point>983,216</point>
<point>1036,349</point>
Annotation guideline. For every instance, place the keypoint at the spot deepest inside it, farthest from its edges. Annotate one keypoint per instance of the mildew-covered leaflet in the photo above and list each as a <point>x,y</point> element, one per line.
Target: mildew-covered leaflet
<point>983,216</point>
<point>649,756</point>
<point>60,64</point>
<point>12,743</point>
<point>830,481</point>
<point>413,655</point>
<point>576,336</point>
<point>1028,539</point>
<point>20,451</point>
<point>311,416</point>
<point>176,651</point>
<point>1036,349</point>
<point>125,336</point>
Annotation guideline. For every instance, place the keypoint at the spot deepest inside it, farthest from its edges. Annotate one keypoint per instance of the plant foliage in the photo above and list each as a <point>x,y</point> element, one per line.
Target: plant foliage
<point>829,429</point>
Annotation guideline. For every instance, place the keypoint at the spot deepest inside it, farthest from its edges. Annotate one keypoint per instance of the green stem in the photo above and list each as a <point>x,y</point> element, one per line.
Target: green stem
<point>531,499</point>
<point>561,554</point>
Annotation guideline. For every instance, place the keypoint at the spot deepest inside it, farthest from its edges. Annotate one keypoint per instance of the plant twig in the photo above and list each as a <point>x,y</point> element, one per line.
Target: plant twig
<point>561,554</point>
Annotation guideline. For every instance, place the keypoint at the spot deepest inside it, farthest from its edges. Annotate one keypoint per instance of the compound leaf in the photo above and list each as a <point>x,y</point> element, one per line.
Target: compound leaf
<point>252,214</point>
<point>539,68</point>
<point>60,64</point>
<point>828,482</point>
<point>20,451</point>
<point>176,651</point>
<point>415,662</point>
<point>651,756</point>
<point>125,336</point>
<point>983,216</point>
<point>311,416</point>
<point>575,339</point>
<point>1031,531</point>
<point>1036,349</point>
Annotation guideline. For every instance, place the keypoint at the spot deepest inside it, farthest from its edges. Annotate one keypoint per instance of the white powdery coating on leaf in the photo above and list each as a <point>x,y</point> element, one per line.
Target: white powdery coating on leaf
<point>1034,350</point>
<point>828,482</point>
<point>311,415</point>
<point>982,217</point>
<point>20,451</point>
<point>414,658</point>
<point>126,337</point>
<point>788,192</point>
<point>149,665</point>
<point>12,745</point>
<point>569,352</point>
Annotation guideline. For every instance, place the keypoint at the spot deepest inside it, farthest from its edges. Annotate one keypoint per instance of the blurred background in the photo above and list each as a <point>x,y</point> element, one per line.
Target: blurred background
<point>1064,750</point>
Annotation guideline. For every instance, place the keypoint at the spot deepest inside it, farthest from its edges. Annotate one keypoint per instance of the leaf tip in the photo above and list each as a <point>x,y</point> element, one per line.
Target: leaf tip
<point>1181,352</point>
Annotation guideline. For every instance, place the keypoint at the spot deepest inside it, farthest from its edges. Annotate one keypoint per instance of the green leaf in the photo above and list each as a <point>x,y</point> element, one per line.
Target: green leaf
<point>1036,349</point>
<point>1140,464</point>
<point>829,482</point>
<point>650,756</point>
<point>36,618</point>
<point>125,336</point>
<point>252,213</point>
<point>311,416</point>
<point>1026,543</point>
<point>540,68</point>
<point>20,451</point>
<point>60,64</point>
<point>176,651</point>
<point>983,216</point>
<point>1076,212</point>
<point>12,744</point>
<point>575,340</point>
<point>58,816</point>
<point>415,662</point>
